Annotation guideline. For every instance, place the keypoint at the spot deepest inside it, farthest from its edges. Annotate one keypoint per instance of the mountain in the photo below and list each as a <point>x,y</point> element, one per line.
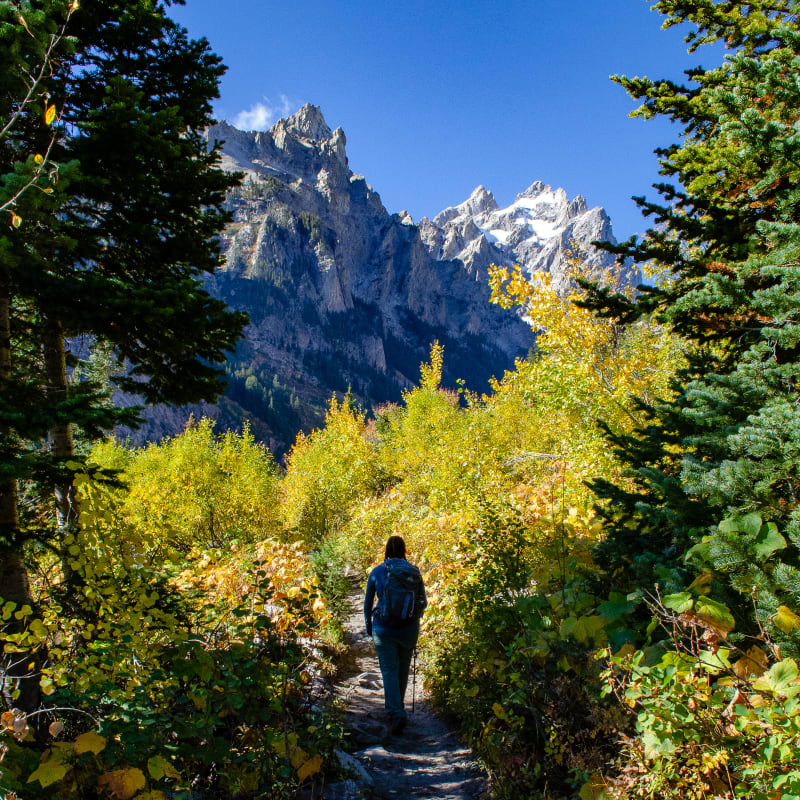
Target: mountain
<point>343,296</point>
<point>540,231</point>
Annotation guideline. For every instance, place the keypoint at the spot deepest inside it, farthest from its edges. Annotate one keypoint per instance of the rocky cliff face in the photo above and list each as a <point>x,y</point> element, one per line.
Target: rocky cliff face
<point>541,230</point>
<point>343,296</point>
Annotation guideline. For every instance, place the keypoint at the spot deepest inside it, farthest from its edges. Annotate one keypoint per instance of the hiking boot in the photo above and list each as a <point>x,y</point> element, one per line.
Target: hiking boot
<point>397,725</point>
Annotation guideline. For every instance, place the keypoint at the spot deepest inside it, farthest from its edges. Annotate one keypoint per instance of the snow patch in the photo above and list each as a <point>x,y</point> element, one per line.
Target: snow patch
<point>547,198</point>
<point>542,228</point>
<point>496,235</point>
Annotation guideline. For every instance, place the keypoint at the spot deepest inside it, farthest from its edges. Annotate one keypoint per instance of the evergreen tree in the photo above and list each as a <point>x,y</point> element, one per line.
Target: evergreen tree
<point>727,240</point>
<point>118,248</point>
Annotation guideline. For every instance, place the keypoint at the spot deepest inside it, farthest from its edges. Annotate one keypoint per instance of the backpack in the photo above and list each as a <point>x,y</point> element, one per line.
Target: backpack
<point>399,601</point>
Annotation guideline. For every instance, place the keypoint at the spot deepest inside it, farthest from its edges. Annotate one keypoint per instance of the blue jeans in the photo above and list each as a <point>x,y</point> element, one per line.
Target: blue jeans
<point>395,647</point>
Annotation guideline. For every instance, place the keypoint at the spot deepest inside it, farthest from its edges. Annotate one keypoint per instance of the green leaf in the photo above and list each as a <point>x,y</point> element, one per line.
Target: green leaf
<point>780,679</point>
<point>48,773</point>
<point>680,602</point>
<point>768,541</point>
<point>700,552</point>
<point>749,523</point>
<point>715,614</point>
<point>588,628</point>
<point>615,607</point>
<point>713,662</point>
<point>568,626</point>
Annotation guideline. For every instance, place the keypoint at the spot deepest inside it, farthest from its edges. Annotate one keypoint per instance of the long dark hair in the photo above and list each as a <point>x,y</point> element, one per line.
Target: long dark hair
<point>395,547</point>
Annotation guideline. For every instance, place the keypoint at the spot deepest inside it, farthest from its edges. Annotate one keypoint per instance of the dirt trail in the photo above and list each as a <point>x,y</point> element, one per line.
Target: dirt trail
<point>427,760</point>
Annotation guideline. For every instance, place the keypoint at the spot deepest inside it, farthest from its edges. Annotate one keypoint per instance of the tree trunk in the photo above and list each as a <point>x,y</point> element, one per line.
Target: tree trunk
<point>14,585</point>
<point>61,445</point>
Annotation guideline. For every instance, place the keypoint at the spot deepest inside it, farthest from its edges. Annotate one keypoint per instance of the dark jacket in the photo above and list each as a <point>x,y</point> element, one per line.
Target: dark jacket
<point>375,584</point>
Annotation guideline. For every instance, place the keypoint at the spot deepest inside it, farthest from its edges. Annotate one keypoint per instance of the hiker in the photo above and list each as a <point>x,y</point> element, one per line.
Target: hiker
<point>394,624</point>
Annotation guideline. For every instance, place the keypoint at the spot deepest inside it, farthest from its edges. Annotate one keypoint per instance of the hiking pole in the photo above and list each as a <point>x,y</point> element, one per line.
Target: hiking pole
<point>414,681</point>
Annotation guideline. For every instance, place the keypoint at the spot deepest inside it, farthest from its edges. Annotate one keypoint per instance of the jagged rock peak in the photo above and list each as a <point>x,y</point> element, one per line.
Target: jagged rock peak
<point>481,201</point>
<point>308,123</point>
<point>543,193</point>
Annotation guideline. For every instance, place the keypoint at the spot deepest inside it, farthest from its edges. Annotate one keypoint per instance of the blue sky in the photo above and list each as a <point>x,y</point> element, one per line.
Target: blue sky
<point>437,97</point>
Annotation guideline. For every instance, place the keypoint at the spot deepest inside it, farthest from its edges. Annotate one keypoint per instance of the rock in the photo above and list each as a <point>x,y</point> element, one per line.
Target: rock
<point>342,296</point>
<point>540,230</point>
<point>353,766</point>
<point>369,680</point>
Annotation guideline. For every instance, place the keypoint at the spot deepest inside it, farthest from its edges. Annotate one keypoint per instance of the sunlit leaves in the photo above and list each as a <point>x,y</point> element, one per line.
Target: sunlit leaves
<point>122,784</point>
<point>326,472</point>
<point>160,766</point>
<point>197,489</point>
<point>786,620</point>
<point>90,742</point>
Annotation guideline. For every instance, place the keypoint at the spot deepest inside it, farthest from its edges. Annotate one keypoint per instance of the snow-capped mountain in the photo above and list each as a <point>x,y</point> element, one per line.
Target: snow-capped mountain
<point>540,230</point>
<point>342,296</point>
<point>346,297</point>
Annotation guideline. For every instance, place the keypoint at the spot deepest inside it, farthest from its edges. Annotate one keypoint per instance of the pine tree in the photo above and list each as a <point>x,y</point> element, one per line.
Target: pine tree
<point>117,250</point>
<point>728,243</point>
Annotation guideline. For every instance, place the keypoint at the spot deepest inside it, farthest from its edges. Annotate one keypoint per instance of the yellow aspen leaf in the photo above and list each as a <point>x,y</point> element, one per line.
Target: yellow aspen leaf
<point>122,784</point>
<point>786,619</point>
<point>90,742</point>
<point>49,114</point>
<point>297,756</point>
<point>38,159</point>
<point>16,220</point>
<point>499,711</point>
<point>48,686</point>
<point>310,767</point>
<point>47,773</point>
<point>753,662</point>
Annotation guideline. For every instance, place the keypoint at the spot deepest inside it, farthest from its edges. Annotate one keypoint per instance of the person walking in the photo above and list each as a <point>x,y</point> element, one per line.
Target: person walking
<point>393,624</point>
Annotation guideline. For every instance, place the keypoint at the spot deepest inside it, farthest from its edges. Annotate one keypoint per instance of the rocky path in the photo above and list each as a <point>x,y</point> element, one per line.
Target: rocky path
<point>426,761</point>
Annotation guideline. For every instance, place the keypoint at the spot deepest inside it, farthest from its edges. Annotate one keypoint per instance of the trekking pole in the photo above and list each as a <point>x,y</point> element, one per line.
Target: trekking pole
<point>414,681</point>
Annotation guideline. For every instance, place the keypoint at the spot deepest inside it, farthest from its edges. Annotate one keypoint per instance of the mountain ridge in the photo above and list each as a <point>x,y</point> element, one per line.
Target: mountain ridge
<point>342,295</point>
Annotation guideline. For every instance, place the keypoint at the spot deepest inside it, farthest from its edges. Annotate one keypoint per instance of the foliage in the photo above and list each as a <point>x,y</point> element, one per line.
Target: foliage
<point>38,42</point>
<point>592,369</point>
<point>488,493</point>
<point>116,250</point>
<point>511,661</point>
<point>196,489</point>
<point>727,241</point>
<point>325,472</point>
<point>197,674</point>
<point>714,716</point>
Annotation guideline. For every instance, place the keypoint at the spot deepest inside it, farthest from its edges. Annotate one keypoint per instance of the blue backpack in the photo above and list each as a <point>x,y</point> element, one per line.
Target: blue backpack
<point>399,603</point>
